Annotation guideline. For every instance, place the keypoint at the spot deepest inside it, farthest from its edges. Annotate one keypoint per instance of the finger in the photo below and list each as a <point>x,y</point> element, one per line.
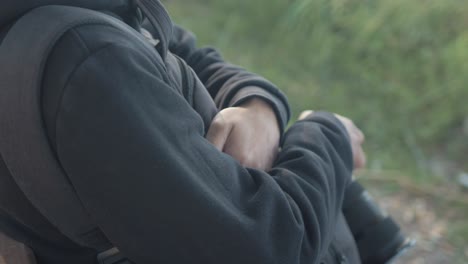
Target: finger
<point>255,159</point>
<point>305,114</point>
<point>359,157</point>
<point>243,145</point>
<point>218,132</point>
<point>360,137</point>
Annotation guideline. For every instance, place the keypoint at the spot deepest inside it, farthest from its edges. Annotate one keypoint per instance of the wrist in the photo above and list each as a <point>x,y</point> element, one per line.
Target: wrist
<point>277,102</point>
<point>257,103</point>
<point>262,109</point>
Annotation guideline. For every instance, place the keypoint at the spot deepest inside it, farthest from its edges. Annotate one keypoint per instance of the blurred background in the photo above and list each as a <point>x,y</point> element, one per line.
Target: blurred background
<point>398,68</point>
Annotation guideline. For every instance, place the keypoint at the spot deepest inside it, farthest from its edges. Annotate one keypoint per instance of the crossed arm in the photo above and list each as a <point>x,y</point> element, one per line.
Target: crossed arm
<point>135,151</point>
<point>250,129</point>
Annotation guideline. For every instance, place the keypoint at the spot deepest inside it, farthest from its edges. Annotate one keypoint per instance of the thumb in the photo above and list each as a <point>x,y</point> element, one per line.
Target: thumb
<point>305,114</point>
<point>218,132</point>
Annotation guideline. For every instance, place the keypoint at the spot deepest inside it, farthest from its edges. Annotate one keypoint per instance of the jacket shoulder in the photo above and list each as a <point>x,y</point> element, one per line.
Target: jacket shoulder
<point>71,50</point>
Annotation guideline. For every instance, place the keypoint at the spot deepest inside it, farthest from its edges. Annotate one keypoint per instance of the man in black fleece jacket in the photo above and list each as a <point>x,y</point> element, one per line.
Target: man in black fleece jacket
<point>129,128</point>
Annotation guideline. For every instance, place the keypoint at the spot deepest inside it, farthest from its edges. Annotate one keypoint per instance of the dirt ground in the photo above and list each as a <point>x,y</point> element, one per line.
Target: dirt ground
<point>421,220</point>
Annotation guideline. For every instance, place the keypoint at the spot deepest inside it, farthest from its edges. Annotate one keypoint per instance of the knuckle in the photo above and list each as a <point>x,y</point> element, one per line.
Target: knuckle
<point>218,123</point>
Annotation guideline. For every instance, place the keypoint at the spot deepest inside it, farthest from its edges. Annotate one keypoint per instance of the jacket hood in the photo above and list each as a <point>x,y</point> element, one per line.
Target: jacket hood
<point>12,9</point>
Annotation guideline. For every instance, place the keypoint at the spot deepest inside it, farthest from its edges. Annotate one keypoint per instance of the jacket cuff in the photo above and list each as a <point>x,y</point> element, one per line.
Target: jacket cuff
<point>331,121</point>
<point>281,110</point>
<point>321,115</point>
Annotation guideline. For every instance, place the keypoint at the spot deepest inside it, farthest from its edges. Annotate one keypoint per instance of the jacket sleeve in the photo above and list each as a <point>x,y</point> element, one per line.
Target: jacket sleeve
<point>135,153</point>
<point>229,85</point>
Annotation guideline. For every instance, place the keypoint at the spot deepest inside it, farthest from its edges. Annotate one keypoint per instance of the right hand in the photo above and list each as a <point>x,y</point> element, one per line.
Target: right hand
<point>356,137</point>
<point>249,133</point>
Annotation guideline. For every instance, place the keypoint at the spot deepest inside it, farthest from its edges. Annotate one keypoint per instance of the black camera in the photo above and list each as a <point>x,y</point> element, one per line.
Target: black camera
<point>378,237</point>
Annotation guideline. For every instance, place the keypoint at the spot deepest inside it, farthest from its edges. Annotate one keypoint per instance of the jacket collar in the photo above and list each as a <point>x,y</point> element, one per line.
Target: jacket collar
<point>160,20</point>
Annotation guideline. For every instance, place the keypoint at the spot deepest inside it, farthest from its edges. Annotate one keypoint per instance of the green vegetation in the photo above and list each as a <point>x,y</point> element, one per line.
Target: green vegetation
<point>398,68</point>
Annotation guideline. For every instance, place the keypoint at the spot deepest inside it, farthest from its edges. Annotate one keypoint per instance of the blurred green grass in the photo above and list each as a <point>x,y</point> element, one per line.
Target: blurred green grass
<point>398,68</point>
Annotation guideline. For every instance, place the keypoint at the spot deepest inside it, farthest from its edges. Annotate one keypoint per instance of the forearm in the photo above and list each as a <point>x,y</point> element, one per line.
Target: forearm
<point>165,187</point>
<point>135,153</point>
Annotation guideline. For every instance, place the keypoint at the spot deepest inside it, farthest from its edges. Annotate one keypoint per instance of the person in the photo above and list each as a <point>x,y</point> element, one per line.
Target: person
<point>174,152</point>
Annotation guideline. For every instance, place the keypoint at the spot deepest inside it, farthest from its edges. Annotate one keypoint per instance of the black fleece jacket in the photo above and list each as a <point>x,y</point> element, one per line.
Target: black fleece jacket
<point>128,129</point>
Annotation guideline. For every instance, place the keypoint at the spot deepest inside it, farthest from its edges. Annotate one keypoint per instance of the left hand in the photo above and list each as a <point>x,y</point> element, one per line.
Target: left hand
<point>356,138</point>
<point>249,133</point>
